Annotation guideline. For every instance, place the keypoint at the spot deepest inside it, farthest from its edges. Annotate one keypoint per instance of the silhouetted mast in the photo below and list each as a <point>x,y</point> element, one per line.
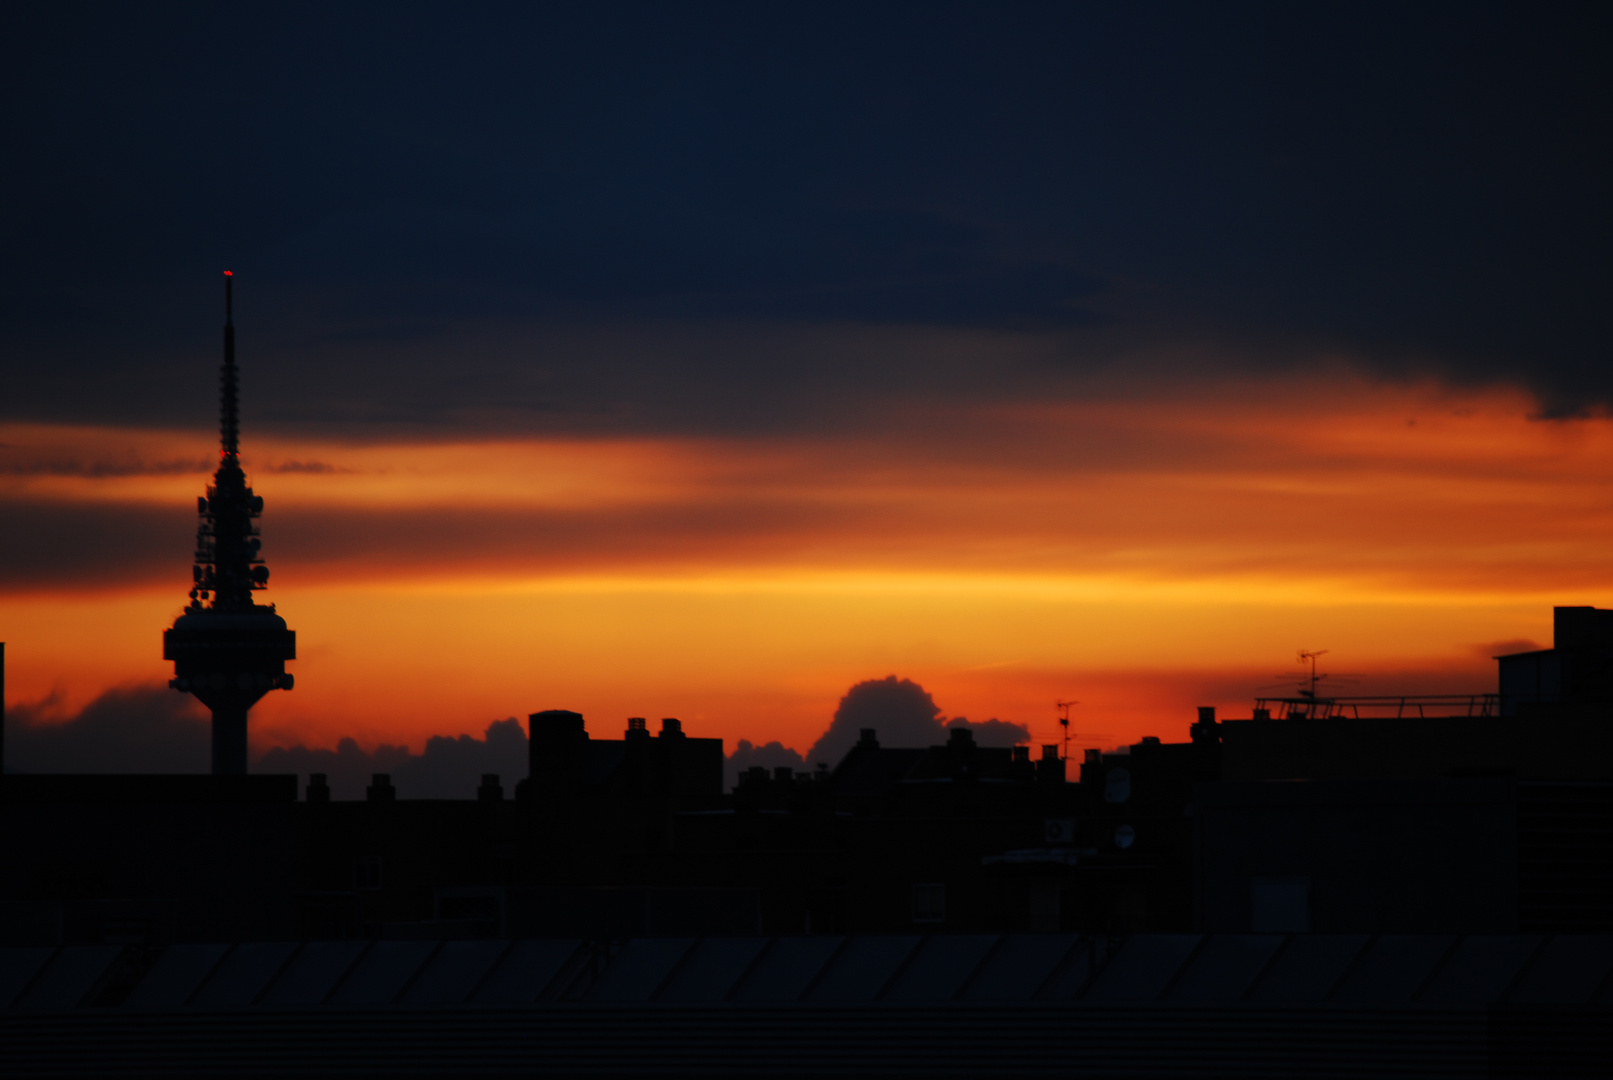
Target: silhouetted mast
<point>229,405</point>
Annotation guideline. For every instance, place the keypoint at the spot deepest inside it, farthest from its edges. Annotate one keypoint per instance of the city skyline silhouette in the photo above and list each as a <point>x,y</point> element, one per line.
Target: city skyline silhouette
<point>1040,540</point>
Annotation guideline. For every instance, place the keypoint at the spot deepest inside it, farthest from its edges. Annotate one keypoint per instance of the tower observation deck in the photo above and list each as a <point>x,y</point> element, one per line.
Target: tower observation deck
<point>227,649</point>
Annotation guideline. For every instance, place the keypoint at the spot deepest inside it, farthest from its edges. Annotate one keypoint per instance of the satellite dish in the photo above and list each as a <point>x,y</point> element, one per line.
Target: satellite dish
<point>1117,786</point>
<point>1125,836</point>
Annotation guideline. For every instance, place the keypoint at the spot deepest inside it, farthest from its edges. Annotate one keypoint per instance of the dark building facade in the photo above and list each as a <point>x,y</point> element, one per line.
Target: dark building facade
<point>1324,817</point>
<point>1498,819</point>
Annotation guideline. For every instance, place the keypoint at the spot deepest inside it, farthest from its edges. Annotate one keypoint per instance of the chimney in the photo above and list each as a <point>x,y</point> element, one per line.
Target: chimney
<point>555,750</point>
<point>1207,730</point>
<point>1582,629</point>
<point>491,790</point>
<point>1050,770</point>
<point>783,774</point>
<point>637,728</point>
<point>1020,766</point>
<point>671,728</point>
<point>318,789</point>
<point>1262,714</point>
<point>960,737</point>
<point>868,737</point>
<point>381,789</point>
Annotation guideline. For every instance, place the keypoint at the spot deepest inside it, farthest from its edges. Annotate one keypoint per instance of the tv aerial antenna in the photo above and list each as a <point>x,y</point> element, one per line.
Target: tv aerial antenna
<point>1311,655</point>
<point>1064,723</point>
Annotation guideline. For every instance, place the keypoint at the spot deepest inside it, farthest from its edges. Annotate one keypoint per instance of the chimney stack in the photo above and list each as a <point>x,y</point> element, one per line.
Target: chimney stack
<point>555,747</point>
<point>1050,770</point>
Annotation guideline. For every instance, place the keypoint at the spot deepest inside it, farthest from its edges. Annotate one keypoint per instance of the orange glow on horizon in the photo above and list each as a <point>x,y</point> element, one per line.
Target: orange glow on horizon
<point>1144,557</point>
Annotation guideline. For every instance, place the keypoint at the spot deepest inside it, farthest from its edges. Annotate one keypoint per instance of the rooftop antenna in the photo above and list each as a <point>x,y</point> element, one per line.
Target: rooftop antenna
<point>229,393</point>
<point>1311,655</point>
<point>1064,722</point>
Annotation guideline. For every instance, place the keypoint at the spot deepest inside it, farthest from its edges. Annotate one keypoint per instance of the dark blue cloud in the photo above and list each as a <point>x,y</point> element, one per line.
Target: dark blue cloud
<point>769,756</point>
<point>448,767</point>
<point>151,729</point>
<point>140,729</point>
<point>901,713</point>
<point>1423,186</point>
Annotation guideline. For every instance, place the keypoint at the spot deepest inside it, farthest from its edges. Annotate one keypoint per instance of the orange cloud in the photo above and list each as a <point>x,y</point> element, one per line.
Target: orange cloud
<point>1139,554</point>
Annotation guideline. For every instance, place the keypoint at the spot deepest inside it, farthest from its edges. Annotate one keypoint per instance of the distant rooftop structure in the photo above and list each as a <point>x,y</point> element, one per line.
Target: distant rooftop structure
<point>1572,678</point>
<point>1383,706</point>
<point>1574,675</point>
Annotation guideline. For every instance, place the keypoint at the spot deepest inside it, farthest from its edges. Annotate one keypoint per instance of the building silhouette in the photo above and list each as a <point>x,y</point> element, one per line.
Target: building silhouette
<point>227,649</point>
<point>1349,881</point>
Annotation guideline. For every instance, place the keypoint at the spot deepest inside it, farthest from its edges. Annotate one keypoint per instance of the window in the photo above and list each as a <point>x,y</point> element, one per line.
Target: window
<point>929,903</point>
<point>367,872</point>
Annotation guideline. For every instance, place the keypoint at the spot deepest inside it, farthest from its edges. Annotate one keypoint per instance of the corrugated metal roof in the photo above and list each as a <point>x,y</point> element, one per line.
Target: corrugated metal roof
<point>455,970</point>
<point>1235,970</point>
<point>1042,1005</point>
<point>175,976</point>
<point>804,1040</point>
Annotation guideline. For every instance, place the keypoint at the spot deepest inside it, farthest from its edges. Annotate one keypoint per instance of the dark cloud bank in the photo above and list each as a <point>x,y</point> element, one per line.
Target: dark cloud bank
<point>899,711</point>
<point>155,730</point>
<point>902,713</point>
<point>1420,186</point>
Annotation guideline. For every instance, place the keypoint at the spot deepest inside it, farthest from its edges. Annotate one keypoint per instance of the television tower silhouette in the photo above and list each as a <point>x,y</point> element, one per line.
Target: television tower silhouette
<point>228,650</point>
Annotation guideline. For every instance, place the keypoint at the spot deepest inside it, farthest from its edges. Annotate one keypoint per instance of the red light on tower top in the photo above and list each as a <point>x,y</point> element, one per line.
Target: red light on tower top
<point>228,274</point>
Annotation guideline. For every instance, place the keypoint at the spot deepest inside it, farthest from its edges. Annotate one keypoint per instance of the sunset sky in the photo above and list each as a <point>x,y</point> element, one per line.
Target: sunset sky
<point>702,361</point>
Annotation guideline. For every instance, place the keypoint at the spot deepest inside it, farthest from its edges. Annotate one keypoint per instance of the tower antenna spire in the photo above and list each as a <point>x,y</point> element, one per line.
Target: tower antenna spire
<point>229,404</point>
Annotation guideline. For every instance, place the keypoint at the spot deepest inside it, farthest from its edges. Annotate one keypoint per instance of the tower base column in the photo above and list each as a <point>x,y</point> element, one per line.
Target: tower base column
<point>229,741</point>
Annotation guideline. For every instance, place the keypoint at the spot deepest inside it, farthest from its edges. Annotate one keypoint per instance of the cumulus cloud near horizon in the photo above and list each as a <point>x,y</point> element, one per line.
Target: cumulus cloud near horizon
<point>449,767</point>
<point>128,729</point>
<point>151,729</point>
<point>769,756</point>
<point>901,713</point>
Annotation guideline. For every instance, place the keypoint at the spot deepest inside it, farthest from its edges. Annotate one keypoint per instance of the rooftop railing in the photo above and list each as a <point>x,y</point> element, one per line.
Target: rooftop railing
<point>1383,707</point>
